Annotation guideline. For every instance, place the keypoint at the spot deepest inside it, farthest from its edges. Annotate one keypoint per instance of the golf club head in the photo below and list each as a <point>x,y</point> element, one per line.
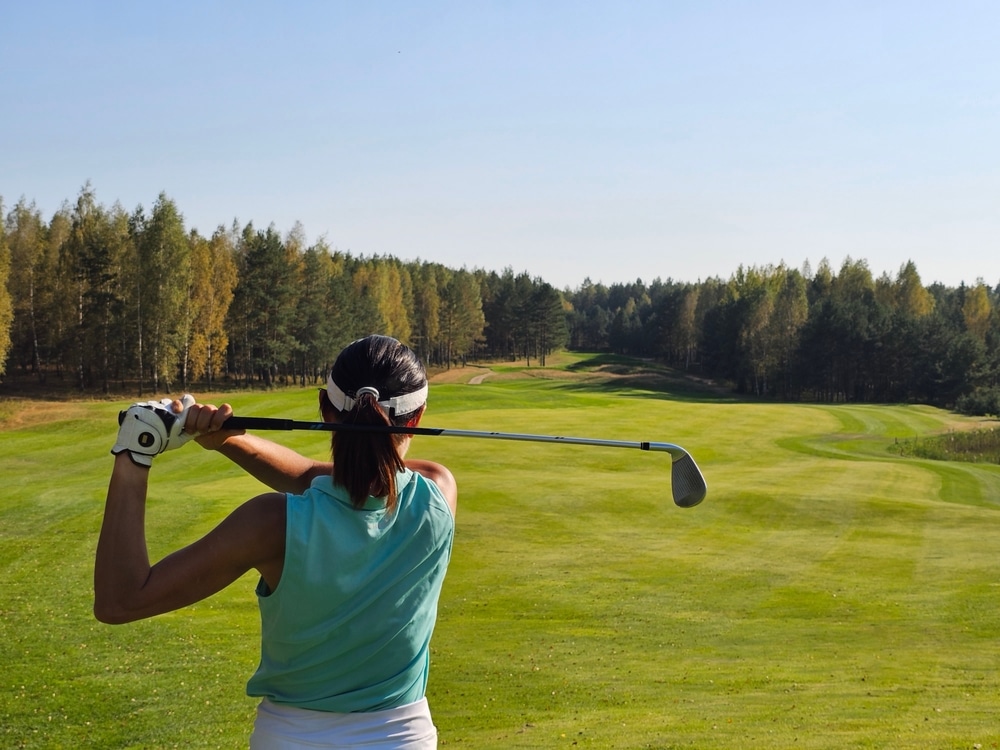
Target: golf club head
<point>686,482</point>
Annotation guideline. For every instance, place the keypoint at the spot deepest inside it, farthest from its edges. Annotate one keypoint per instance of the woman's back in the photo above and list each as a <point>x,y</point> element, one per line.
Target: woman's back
<point>349,625</point>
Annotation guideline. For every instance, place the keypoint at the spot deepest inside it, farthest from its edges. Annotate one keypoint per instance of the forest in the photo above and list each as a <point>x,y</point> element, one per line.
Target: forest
<point>97,299</point>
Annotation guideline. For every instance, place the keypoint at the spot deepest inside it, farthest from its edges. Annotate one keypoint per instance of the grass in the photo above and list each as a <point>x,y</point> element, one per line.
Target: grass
<point>827,593</point>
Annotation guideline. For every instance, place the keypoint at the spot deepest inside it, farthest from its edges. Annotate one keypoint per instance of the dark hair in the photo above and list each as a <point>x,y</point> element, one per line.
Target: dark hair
<point>366,463</point>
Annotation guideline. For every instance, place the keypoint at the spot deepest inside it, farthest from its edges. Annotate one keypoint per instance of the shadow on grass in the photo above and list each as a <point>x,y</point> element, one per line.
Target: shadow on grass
<point>639,378</point>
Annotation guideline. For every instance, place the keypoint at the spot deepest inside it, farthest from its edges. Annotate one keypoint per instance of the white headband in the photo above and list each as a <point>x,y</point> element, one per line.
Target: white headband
<point>404,404</point>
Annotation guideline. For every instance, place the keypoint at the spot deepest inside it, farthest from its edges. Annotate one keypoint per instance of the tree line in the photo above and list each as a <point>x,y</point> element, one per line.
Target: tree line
<point>101,298</point>
<point>829,335</point>
<point>98,298</point>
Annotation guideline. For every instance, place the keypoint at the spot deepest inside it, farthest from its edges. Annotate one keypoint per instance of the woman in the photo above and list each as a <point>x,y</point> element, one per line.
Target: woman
<point>351,555</point>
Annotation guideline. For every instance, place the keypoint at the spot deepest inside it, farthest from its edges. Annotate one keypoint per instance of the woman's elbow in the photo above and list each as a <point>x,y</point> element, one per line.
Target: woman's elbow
<point>106,615</point>
<point>111,613</point>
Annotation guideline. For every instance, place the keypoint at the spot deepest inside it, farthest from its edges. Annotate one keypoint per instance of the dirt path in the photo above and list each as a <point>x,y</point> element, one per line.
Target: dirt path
<point>480,378</point>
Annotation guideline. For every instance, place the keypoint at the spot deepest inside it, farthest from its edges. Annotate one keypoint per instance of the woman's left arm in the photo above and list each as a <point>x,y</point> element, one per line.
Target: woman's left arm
<point>128,588</point>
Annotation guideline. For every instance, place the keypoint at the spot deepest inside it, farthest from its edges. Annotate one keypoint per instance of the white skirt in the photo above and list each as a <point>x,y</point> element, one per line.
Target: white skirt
<point>280,727</point>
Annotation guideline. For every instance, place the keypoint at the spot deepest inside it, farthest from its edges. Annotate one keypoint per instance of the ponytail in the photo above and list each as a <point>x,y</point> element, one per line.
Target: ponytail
<point>366,463</point>
<point>375,381</point>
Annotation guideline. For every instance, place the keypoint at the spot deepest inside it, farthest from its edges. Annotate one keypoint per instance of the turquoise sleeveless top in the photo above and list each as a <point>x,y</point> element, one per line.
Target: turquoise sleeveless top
<point>349,625</point>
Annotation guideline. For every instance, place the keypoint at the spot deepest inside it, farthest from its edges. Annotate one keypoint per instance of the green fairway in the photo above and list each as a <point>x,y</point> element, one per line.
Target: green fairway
<point>827,593</point>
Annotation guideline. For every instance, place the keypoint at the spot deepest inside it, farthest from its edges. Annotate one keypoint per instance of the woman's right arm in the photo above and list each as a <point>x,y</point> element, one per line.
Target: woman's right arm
<point>278,467</point>
<point>441,476</point>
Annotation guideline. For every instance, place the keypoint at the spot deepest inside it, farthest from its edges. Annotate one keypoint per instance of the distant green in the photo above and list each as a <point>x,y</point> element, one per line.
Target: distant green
<point>827,594</point>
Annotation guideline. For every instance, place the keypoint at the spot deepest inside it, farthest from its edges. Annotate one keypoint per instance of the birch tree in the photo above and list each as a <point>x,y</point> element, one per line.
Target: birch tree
<point>31,271</point>
<point>213,279</point>
<point>976,311</point>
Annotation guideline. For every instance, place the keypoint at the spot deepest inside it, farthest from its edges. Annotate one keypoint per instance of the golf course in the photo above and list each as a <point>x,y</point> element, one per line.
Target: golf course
<point>829,592</point>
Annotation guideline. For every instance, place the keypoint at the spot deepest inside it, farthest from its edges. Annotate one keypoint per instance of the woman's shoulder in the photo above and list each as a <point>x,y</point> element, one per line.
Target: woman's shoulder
<point>440,476</point>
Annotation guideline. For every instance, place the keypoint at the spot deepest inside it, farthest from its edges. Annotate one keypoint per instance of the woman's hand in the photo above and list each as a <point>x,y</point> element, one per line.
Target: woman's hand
<point>204,422</point>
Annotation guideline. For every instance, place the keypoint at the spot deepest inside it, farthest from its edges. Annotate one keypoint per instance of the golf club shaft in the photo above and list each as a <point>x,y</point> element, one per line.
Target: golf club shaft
<point>265,423</point>
<point>687,483</point>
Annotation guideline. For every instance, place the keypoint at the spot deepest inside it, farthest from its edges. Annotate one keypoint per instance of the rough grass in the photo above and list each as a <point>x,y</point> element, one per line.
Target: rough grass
<point>827,593</point>
<point>976,446</point>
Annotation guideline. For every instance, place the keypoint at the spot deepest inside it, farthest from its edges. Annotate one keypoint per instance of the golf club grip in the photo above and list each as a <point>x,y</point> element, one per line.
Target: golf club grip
<point>257,423</point>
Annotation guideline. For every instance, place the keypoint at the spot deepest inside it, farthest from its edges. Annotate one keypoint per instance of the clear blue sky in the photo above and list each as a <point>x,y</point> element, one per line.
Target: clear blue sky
<point>615,140</point>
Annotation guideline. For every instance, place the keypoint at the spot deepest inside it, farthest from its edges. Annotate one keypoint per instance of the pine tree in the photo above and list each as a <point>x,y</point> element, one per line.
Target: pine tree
<point>263,311</point>
<point>164,278</point>
<point>6,305</point>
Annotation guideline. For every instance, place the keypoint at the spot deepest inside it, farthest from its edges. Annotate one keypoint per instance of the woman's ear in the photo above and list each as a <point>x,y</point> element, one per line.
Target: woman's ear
<point>415,419</point>
<point>325,407</point>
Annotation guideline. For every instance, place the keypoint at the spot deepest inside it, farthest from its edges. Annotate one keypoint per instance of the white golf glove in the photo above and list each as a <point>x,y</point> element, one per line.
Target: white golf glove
<point>151,427</point>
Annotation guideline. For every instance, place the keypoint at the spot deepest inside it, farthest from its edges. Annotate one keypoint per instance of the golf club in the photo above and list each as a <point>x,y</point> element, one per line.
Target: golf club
<point>686,481</point>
